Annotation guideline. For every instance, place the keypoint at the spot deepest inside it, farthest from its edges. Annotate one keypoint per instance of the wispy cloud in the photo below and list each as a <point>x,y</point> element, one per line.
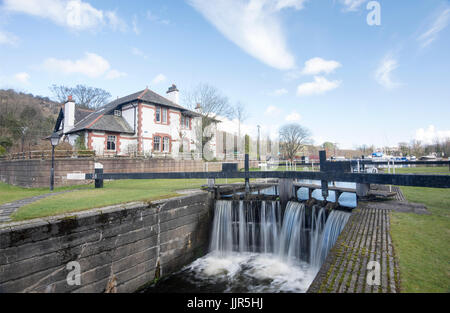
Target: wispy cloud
<point>138,52</point>
<point>157,19</point>
<point>432,32</point>
<point>383,74</point>
<point>74,14</point>
<point>8,38</point>
<point>352,5</point>
<point>319,86</point>
<point>135,26</point>
<point>254,26</point>
<point>92,66</point>
<point>279,92</point>
<point>293,117</point>
<point>272,110</point>
<point>159,79</point>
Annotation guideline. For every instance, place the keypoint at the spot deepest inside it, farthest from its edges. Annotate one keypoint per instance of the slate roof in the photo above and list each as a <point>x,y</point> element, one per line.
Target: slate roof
<point>103,120</point>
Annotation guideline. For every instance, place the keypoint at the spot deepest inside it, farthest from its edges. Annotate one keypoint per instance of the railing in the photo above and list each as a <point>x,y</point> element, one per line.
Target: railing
<point>47,154</point>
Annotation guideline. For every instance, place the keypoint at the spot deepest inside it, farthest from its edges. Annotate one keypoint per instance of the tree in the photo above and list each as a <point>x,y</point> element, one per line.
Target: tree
<point>404,148</point>
<point>240,114</point>
<point>293,138</point>
<point>85,97</point>
<point>212,105</point>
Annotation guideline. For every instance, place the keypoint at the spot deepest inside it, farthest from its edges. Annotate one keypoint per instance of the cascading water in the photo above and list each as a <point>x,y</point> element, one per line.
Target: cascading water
<point>258,247</point>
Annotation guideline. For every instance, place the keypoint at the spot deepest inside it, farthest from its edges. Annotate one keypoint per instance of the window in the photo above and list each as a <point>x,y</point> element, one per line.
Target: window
<point>164,116</point>
<point>185,122</point>
<point>158,114</point>
<point>111,143</point>
<point>117,113</point>
<point>166,144</point>
<point>157,144</point>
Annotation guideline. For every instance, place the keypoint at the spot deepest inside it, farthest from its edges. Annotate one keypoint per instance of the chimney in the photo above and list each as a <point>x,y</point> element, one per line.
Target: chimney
<point>69,115</point>
<point>173,94</point>
<point>198,107</point>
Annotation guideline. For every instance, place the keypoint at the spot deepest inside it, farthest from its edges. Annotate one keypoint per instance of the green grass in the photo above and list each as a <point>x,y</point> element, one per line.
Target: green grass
<point>114,192</point>
<point>422,242</point>
<point>422,170</point>
<point>9,193</point>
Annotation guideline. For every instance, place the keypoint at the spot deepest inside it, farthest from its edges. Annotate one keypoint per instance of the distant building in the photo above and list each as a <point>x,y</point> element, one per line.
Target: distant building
<point>143,123</point>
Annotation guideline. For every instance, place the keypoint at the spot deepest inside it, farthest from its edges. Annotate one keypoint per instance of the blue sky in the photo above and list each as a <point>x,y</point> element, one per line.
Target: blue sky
<point>315,62</point>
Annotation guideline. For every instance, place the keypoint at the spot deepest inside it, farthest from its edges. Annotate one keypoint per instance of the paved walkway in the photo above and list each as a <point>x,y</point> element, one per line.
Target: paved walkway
<point>7,209</point>
<point>365,238</point>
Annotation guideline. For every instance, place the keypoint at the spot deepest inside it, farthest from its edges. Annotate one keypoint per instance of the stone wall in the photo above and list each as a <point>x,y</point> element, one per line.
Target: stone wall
<point>36,173</point>
<point>120,247</point>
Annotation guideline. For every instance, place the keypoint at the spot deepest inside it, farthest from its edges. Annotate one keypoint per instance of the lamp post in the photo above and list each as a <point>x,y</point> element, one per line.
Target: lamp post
<point>54,139</point>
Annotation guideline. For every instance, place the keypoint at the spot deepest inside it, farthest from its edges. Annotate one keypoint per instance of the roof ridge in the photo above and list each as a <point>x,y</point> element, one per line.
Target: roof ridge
<point>143,93</point>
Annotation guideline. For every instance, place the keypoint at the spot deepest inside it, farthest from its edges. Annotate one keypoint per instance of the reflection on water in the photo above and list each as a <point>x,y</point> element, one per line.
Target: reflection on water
<point>346,199</point>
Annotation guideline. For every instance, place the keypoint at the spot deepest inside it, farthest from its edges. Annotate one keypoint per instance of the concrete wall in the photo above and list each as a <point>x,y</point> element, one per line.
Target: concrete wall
<point>36,173</point>
<point>119,246</point>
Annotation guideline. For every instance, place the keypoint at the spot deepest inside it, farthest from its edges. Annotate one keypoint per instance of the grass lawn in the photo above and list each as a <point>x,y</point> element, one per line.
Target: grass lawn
<point>422,170</point>
<point>422,242</point>
<point>9,193</point>
<point>114,192</point>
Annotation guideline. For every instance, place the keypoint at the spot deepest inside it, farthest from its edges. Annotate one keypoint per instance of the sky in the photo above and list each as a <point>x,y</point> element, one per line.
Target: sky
<point>351,71</point>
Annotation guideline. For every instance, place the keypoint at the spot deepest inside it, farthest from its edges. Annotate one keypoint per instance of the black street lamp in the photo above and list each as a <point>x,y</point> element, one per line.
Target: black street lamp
<point>54,139</point>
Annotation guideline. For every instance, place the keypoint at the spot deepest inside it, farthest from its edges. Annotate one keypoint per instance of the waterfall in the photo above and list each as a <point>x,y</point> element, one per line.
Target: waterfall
<point>260,227</point>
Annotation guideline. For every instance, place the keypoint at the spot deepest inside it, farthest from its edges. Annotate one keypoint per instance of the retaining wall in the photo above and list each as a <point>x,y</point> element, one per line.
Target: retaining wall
<point>36,173</point>
<point>119,248</point>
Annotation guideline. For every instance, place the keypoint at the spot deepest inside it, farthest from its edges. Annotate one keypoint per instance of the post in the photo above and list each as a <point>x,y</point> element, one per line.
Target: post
<point>324,183</point>
<point>247,170</point>
<point>98,175</point>
<point>52,171</point>
<point>286,190</point>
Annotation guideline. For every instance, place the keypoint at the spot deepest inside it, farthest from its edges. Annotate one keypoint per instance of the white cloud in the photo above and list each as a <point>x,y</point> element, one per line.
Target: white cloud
<point>272,110</point>
<point>74,14</point>
<point>279,92</point>
<point>293,117</point>
<point>113,74</point>
<point>430,134</point>
<point>22,77</point>
<point>320,85</point>
<point>8,38</point>
<point>317,66</point>
<point>352,5</point>
<point>159,79</point>
<point>254,26</point>
<point>383,74</point>
<point>440,23</point>
<point>92,65</point>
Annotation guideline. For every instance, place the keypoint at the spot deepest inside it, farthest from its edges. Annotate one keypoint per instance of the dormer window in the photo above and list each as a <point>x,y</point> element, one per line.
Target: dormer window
<point>118,113</point>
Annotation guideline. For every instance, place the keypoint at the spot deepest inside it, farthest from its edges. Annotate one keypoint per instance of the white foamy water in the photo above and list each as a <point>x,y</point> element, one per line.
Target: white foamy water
<point>251,272</point>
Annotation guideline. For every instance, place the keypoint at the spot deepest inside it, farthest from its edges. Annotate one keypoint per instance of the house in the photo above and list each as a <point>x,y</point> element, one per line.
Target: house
<point>144,123</point>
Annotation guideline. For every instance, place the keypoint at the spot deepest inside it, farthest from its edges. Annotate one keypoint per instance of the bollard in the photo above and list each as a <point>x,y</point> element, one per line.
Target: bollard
<point>98,175</point>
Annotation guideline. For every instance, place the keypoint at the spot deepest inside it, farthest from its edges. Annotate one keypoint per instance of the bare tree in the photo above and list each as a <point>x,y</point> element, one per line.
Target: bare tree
<point>84,96</point>
<point>293,137</point>
<point>211,104</point>
<point>240,114</point>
